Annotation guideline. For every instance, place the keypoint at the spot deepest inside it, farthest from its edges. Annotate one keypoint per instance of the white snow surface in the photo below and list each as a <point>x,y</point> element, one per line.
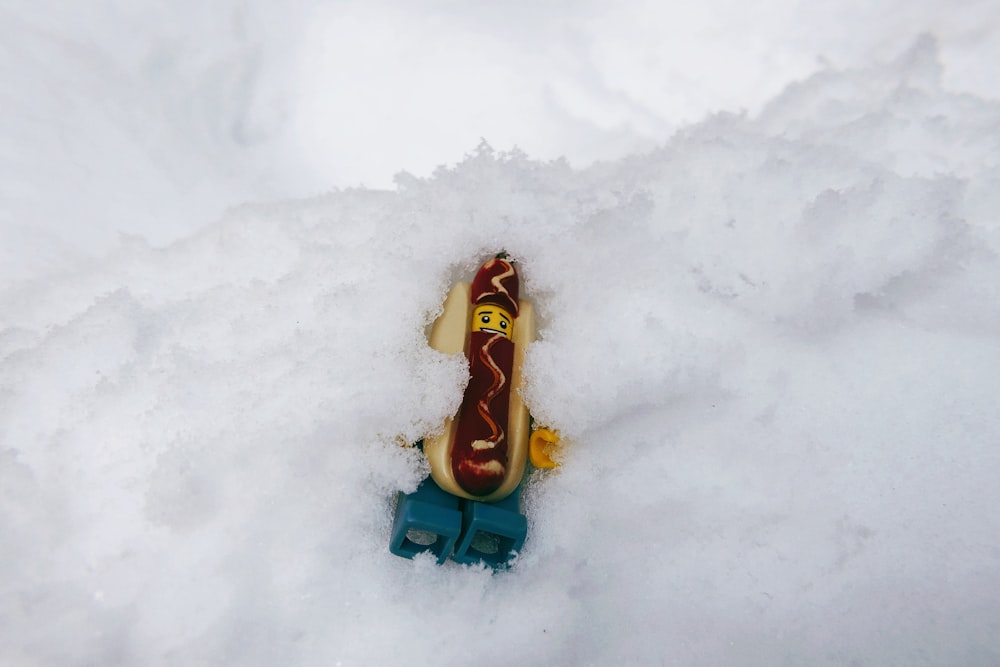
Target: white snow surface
<point>770,339</point>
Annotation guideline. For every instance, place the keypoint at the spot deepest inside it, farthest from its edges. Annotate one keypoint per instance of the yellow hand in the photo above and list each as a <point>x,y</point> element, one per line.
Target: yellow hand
<point>542,444</point>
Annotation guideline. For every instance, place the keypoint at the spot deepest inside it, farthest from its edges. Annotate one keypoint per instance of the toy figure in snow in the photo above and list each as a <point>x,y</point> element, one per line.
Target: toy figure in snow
<point>468,509</point>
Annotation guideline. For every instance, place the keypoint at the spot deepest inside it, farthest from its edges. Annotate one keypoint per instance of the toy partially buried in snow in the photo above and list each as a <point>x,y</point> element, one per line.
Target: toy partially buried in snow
<point>468,509</point>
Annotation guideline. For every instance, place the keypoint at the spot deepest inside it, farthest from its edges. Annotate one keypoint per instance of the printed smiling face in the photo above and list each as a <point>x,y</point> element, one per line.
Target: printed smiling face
<point>492,319</point>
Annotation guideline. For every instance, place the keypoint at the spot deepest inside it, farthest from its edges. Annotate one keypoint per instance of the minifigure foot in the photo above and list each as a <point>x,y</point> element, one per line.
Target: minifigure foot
<point>491,534</point>
<point>426,520</point>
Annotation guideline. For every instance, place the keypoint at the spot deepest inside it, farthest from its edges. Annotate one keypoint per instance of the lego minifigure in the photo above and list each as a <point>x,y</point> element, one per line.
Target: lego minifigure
<point>468,509</point>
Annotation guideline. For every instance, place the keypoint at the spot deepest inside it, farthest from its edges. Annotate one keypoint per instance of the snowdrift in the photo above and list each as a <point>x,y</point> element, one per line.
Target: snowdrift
<point>773,345</point>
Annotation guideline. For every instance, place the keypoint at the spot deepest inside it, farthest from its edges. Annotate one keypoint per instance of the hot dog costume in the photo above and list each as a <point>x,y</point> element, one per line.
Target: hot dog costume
<point>468,509</point>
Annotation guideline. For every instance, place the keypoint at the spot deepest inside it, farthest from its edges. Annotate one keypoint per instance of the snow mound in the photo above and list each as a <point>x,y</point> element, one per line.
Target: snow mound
<point>772,345</point>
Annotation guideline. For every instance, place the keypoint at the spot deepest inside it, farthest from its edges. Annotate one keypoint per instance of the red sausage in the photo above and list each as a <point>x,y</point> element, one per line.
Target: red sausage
<point>479,453</point>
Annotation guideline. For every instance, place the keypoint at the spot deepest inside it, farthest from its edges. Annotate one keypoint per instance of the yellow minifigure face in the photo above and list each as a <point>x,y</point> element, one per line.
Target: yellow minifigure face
<point>493,319</point>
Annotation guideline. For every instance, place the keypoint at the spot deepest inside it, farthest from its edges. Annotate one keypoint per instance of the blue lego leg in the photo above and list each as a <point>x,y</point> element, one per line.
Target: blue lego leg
<point>426,520</point>
<point>491,532</point>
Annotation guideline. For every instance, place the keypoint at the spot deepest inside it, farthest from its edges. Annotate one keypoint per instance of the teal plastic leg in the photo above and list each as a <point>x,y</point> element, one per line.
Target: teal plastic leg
<point>491,533</point>
<point>426,520</point>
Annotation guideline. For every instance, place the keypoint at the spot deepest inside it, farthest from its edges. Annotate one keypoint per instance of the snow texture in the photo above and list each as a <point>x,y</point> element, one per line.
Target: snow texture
<point>771,343</point>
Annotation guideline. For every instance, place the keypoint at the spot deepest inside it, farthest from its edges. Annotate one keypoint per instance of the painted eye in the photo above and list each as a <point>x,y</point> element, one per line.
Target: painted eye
<point>485,319</point>
<point>503,325</point>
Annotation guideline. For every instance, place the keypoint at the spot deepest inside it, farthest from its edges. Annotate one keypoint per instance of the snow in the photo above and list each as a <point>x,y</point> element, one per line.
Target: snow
<point>770,329</point>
